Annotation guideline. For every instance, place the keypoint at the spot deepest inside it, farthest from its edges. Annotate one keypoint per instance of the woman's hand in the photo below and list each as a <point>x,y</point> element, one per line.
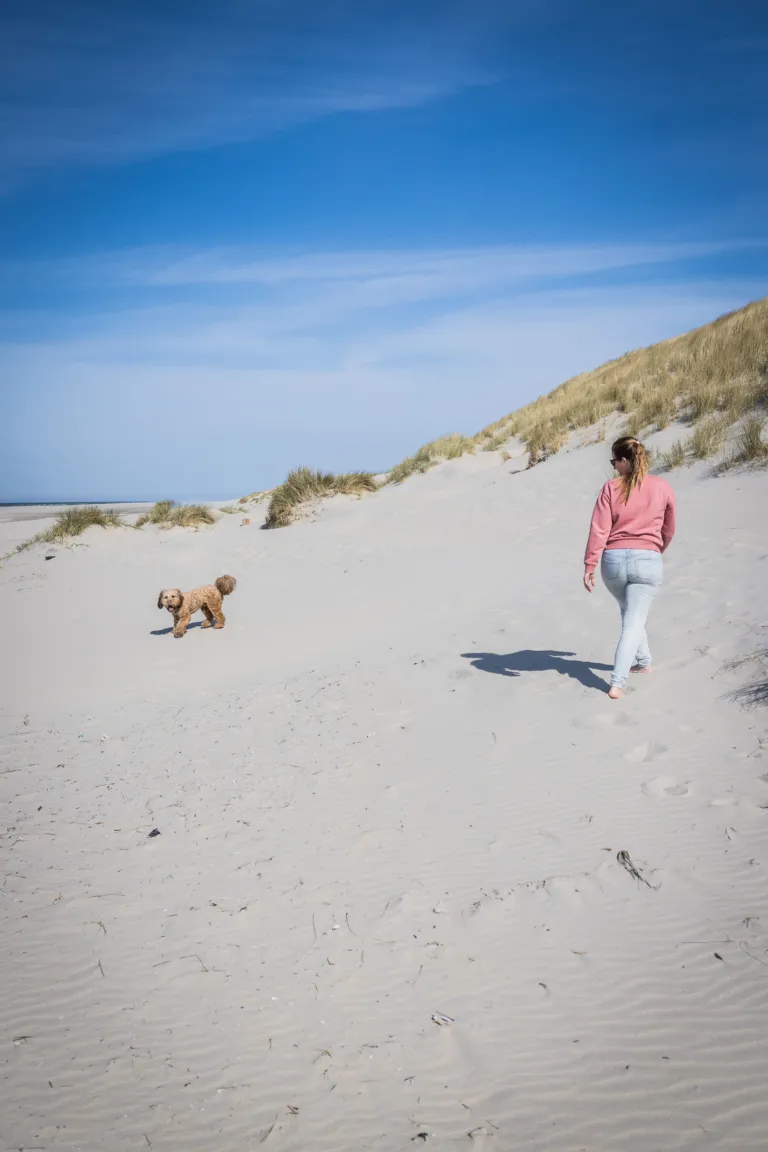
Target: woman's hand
<point>589,580</point>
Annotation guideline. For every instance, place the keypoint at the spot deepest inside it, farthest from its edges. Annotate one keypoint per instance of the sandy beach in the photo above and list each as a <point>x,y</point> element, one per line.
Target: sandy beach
<point>380,864</point>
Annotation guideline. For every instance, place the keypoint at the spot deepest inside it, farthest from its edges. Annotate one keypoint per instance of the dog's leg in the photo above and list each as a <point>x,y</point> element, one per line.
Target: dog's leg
<point>208,617</point>
<point>216,608</point>
<point>180,626</point>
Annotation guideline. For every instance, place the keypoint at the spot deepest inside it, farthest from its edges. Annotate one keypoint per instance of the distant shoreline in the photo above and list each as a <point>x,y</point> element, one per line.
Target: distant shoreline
<point>11,512</point>
<point>70,503</point>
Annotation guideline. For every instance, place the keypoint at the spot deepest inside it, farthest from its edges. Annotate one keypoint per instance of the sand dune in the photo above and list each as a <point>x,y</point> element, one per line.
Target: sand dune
<point>392,787</point>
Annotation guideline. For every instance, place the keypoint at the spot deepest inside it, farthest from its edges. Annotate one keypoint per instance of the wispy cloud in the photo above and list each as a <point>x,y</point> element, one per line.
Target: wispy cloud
<point>341,360</point>
<point>239,304</point>
<point>108,83</point>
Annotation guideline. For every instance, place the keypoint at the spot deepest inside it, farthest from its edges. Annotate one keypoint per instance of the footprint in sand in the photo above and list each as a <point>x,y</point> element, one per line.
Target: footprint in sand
<point>644,753</point>
<point>663,786</point>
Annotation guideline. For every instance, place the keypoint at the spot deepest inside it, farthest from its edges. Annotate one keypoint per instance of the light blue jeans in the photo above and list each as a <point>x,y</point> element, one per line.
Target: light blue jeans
<point>633,576</point>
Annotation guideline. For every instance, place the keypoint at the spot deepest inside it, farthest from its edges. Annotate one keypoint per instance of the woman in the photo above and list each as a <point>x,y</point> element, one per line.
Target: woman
<point>632,524</point>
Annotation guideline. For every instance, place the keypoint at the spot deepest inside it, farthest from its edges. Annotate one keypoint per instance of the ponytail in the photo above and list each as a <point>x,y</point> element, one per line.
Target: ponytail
<point>628,448</point>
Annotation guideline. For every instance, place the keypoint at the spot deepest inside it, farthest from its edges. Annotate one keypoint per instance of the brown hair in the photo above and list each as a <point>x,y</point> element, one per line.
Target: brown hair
<point>628,448</point>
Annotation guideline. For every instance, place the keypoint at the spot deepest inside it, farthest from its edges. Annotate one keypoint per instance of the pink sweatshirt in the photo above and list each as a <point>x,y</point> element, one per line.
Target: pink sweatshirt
<point>647,520</point>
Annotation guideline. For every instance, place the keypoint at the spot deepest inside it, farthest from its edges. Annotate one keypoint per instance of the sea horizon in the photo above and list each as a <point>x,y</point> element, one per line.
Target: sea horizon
<point>69,503</point>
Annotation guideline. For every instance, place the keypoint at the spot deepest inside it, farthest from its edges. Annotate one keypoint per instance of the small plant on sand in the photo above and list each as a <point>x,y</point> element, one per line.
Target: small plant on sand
<point>255,497</point>
<point>544,440</point>
<point>450,447</point>
<point>158,514</point>
<point>303,485</point>
<point>495,442</point>
<point>708,437</point>
<point>674,457</point>
<point>420,462</point>
<point>755,693</point>
<point>73,522</point>
<point>750,447</point>
<point>189,516</point>
<point>169,514</point>
<point>444,448</point>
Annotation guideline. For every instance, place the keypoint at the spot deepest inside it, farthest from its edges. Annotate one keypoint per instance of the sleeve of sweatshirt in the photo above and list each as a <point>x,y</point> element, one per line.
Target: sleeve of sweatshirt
<point>600,528</point>
<point>668,527</point>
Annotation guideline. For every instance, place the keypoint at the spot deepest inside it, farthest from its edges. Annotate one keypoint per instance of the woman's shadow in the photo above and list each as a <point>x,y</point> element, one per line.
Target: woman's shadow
<point>530,660</point>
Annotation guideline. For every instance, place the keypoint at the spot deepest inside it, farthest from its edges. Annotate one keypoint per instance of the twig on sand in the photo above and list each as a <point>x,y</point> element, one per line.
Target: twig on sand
<point>746,951</point>
<point>626,862</point>
<point>267,1131</point>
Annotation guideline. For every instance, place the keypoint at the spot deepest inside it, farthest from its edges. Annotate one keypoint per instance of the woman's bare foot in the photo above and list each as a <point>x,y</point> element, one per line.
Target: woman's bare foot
<point>641,669</point>
<point>615,693</point>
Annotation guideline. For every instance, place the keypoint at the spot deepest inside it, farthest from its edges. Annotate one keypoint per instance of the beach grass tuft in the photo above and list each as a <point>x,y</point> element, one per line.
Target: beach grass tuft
<point>169,514</point>
<point>303,485</point>
<point>708,436</point>
<point>674,457</point>
<point>73,522</point>
<point>444,448</point>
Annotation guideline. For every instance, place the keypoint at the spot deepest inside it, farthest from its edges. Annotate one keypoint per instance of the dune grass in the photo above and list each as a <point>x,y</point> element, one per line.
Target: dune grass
<point>674,457</point>
<point>754,693</point>
<point>444,448</point>
<point>304,484</point>
<point>157,515</point>
<point>420,462</point>
<point>749,446</point>
<point>720,368</point>
<point>709,436</point>
<point>73,522</point>
<point>169,514</point>
<point>255,497</point>
<point>711,378</point>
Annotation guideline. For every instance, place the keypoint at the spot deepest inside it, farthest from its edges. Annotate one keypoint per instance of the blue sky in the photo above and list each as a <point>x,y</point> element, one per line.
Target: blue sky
<point>241,236</point>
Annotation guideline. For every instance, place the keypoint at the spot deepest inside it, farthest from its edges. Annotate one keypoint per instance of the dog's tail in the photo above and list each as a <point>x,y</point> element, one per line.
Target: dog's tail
<point>226,585</point>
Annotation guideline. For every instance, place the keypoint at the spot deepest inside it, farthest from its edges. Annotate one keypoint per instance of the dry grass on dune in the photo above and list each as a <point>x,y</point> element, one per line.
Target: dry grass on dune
<point>674,457</point>
<point>709,436</point>
<point>712,377</point>
<point>303,485</point>
<point>749,447</point>
<point>73,522</point>
<point>169,514</point>
<point>255,497</point>
<point>444,448</point>
<point>755,693</point>
<point>721,368</point>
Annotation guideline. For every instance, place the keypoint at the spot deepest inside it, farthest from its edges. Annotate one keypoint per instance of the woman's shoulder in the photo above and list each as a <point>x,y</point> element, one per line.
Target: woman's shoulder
<point>659,483</point>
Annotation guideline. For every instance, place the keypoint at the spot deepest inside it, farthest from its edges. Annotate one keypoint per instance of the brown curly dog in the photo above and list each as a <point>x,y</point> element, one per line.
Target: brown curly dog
<point>183,604</point>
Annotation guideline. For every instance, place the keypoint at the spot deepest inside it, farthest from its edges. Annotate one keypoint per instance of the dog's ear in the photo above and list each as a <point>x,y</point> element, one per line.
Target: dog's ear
<point>160,598</point>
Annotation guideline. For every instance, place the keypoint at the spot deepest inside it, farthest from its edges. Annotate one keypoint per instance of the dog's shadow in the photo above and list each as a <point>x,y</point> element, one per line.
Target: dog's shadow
<point>167,631</point>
